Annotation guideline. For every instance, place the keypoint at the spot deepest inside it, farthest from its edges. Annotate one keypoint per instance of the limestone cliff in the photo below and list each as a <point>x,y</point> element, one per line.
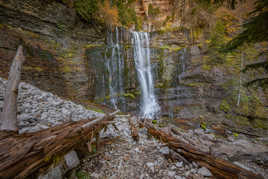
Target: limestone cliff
<point>193,79</point>
<point>55,41</point>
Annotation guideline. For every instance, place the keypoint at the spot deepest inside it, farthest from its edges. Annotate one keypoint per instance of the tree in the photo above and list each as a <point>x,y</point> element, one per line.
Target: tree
<point>255,29</point>
<point>9,114</point>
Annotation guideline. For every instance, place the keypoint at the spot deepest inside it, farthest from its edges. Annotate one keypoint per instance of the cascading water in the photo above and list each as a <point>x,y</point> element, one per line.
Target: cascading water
<point>114,65</point>
<point>149,106</point>
<point>182,62</point>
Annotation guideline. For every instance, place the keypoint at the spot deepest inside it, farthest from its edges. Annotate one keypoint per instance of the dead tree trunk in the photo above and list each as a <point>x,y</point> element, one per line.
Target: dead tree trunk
<point>22,155</point>
<point>9,114</point>
<point>219,167</point>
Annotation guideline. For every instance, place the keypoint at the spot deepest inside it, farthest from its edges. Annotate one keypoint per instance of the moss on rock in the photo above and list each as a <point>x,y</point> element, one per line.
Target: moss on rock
<point>224,106</point>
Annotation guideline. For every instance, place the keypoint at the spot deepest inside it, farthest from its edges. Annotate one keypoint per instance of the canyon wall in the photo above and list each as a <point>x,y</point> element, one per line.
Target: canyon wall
<point>192,79</point>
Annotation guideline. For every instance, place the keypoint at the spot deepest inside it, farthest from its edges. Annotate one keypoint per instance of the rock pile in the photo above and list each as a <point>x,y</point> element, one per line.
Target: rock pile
<point>39,110</point>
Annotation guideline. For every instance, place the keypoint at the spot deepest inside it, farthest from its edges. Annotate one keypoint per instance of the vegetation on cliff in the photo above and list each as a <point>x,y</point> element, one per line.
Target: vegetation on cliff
<point>116,12</point>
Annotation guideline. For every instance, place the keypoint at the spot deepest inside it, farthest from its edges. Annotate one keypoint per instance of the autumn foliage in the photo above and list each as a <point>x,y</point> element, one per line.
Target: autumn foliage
<point>115,12</point>
<point>107,13</point>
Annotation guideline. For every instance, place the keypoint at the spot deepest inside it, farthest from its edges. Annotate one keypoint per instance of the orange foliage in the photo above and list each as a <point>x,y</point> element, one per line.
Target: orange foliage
<point>108,14</point>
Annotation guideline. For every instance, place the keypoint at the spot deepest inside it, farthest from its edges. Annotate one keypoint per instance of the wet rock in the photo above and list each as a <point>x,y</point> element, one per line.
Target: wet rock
<point>204,171</point>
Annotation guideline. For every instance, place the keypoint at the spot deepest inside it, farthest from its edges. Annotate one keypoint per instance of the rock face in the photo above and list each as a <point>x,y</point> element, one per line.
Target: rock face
<point>69,58</point>
<point>55,43</point>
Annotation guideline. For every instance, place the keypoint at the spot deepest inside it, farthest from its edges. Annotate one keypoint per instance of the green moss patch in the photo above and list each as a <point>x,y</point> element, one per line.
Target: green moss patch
<point>82,175</point>
<point>225,106</point>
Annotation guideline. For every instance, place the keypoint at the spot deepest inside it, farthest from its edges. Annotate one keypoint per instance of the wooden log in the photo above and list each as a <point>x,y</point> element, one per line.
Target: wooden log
<point>22,155</point>
<point>219,167</point>
<point>9,114</point>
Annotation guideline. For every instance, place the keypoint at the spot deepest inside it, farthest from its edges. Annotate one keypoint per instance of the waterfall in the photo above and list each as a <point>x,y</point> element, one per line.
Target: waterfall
<point>114,65</point>
<point>182,59</point>
<point>149,106</point>
<point>240,79</point>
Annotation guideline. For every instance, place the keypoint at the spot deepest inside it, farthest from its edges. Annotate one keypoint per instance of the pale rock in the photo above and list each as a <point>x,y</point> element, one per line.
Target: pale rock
<point>94,175</point>
<point>171,173</point>
<point>204,171</point>
<point>187,173</point>
<point>179,164</point>
<point>230,139</point>
<point>173,167</point>
<point>44,116</point>
<point>195,50</point>
<point>54,173</point>
<point>199,131</point>
<point>242,166</point>
<point>193,170</point>
<point>150,165</point>
<point>210,137</point>
<point>24,117</point>
<point>194,164</point>
<point>164,150</point>
<point>36,128</point>
<point>71,160</point>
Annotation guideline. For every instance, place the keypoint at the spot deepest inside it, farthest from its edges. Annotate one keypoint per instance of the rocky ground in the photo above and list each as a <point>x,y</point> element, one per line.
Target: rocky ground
<point>39,110</point>
<point>146,158</point>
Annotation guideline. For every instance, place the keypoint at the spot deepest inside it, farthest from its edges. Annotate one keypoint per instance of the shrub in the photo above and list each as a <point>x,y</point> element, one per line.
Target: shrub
<point>107,13</point>
<point>115,12</point>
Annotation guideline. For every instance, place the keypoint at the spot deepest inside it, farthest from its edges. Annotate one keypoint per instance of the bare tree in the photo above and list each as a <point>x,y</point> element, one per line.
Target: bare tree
<point>9,114</point>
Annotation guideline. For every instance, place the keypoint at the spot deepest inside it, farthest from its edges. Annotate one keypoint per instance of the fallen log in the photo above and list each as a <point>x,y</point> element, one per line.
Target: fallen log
<point>219,167</point>
<point>22,155</point>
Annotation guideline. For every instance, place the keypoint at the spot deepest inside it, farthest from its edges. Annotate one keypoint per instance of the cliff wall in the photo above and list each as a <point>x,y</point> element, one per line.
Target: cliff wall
<point>193,79</point>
